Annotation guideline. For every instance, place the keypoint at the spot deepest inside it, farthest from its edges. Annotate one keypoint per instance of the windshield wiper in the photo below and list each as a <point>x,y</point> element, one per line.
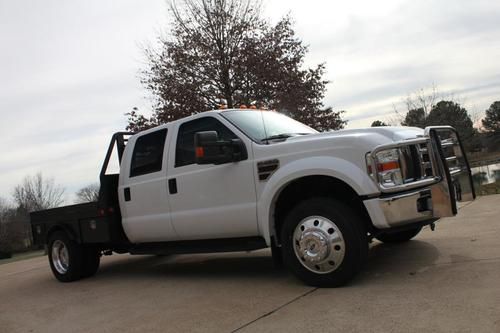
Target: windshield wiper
<point>282,136</point>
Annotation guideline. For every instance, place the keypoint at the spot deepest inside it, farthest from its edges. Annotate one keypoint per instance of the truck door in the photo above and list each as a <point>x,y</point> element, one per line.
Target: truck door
<point>143,189</point>
<point>210,201</point>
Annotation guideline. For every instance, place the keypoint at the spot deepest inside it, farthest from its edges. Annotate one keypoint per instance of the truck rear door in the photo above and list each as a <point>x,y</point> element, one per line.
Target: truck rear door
<point>142,190</point>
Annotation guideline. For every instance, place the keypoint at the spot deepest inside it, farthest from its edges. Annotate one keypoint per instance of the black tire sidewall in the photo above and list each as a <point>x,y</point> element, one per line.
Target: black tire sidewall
<point>353,232</point>
<point>75,257</point>
<point>399,237</point>
<point>91,261</point>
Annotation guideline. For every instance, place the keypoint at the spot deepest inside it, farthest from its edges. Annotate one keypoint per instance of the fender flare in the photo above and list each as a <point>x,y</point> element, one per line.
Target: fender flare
<point>61,227</point>
<point>329,166</point>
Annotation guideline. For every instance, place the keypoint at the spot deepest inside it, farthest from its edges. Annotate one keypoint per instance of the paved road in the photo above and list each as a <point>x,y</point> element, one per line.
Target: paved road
<point>443,281</point>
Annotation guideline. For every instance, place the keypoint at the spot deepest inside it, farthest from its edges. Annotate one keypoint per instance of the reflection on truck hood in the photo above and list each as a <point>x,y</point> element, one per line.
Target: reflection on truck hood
<point>350,145</point>
<point>393,133</point>
<point>376,135</point>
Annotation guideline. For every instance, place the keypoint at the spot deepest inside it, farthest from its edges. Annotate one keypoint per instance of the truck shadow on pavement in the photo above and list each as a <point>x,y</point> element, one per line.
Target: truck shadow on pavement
<point>204,266</point>
<point>398,259</point>
<point>384,260</point>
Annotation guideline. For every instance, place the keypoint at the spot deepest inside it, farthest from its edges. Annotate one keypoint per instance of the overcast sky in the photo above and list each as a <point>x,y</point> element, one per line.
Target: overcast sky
<point>68,69</point>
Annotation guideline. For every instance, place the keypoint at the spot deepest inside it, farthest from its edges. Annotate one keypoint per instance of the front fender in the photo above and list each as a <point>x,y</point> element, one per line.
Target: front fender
<point>343,170</point>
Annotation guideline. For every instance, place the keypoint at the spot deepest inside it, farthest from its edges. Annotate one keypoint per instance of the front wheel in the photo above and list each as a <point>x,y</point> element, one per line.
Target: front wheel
<point>277,255</point>
<point>65,257</point>
<point>324,242</point>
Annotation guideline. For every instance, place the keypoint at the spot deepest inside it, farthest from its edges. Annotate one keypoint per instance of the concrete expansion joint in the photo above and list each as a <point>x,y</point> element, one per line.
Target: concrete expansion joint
<point>267,314</point>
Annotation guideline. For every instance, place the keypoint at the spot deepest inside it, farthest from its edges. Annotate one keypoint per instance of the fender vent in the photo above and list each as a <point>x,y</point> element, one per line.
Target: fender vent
<point>267,168</point>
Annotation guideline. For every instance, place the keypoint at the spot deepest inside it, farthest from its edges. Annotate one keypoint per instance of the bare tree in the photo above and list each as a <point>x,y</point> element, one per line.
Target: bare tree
<point>4,235</point>
<point>36,193</point>
<point>89,193</point>
<point>423,99</point>
<point>14,232</point>
<point>4,206</point>
<point>223,52</point>
<point>396,118</point>
<point>418,105</point>
<point>476,116</point>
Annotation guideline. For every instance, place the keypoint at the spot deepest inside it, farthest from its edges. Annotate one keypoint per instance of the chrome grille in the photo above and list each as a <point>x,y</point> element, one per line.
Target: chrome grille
<point>416,163</point>
<point>435,157</point>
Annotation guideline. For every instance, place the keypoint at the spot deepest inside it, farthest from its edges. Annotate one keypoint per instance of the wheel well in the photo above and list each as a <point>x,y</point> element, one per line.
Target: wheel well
<point>316,186</point>
<point>59,228</point>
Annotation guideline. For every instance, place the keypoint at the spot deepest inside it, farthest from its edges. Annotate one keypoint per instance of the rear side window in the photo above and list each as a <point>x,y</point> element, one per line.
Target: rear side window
<point>148,153</point>
<point>184,151</point>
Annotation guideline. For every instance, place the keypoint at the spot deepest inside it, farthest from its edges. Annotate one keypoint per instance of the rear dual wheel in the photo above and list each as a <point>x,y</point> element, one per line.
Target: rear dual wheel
<point>91,261</point>
<point>70,261</point>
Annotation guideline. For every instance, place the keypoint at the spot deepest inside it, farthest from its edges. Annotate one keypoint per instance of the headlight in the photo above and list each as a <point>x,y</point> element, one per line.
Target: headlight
<point>387,167</point>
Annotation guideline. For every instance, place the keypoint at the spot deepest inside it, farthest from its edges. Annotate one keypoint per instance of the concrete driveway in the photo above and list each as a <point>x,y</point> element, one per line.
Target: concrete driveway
<point>443,281</point>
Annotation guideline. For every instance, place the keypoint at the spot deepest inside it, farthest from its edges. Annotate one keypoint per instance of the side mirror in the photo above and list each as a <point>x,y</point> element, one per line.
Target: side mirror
<point>209,149</point>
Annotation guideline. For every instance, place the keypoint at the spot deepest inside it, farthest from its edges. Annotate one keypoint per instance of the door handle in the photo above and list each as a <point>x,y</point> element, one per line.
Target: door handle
<point>126,193</point>
<point>172,186</point>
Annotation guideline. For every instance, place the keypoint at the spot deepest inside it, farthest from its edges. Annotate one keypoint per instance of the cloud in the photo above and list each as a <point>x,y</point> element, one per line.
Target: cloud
<point>69,73</point>
<point>69,69</point>
<point>374,61</point>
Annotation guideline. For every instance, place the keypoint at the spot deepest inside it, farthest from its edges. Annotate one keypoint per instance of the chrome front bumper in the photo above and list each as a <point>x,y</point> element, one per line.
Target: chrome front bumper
<point>400,209</point>
<point>434,198</point>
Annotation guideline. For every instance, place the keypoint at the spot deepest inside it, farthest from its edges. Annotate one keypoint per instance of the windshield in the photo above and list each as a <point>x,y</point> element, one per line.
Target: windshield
<point>262,126</point>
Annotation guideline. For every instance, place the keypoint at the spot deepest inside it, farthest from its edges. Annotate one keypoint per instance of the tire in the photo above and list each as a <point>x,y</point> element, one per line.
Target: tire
<point>65,257</point>
<point>91,261</point>
<point>399,237</point>
<point>324,242</point>
<point>277,255</point>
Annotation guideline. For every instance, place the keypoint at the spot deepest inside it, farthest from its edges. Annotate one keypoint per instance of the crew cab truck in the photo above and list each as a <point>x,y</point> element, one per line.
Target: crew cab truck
<point>242,180</point>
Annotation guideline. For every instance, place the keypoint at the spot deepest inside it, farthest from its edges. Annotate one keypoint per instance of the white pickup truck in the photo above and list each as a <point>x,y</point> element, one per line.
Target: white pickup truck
<point>242,180</point>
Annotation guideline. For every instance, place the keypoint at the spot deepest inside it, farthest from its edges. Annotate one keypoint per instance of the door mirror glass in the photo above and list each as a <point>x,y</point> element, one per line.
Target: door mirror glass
<point>209,149</point>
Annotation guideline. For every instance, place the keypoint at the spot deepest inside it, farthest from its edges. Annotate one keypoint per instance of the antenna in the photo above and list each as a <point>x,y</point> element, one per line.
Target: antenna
<point>263,125</point>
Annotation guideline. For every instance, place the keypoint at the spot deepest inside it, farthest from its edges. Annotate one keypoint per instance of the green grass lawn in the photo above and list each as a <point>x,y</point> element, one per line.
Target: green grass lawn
<point>23,256</point>
<point>486,189</point>
<point>478,157</point>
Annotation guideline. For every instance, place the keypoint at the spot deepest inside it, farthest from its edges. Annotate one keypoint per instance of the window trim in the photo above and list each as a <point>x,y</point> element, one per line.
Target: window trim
<point>131,169</point>
<point>174,142</point>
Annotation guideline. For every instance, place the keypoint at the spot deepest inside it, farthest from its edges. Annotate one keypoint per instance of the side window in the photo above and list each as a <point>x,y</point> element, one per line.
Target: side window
<point>148,153</point>
<point>184,151</point>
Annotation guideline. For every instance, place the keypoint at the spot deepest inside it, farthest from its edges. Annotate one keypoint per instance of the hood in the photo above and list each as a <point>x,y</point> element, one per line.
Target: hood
<point>393,133</point>
<point>368,137</point>
<point>351,144</point>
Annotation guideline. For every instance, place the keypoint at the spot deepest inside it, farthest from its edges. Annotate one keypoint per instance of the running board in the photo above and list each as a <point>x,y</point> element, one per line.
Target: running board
<point>200,246</point>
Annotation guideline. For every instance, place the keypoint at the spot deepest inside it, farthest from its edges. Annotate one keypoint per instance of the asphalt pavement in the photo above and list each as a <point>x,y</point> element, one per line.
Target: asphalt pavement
<point>442,281</point>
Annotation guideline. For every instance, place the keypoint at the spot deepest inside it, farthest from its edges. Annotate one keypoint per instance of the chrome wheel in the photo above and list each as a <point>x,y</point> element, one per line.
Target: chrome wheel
<point>318,244</point>
<point>60,257</point>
